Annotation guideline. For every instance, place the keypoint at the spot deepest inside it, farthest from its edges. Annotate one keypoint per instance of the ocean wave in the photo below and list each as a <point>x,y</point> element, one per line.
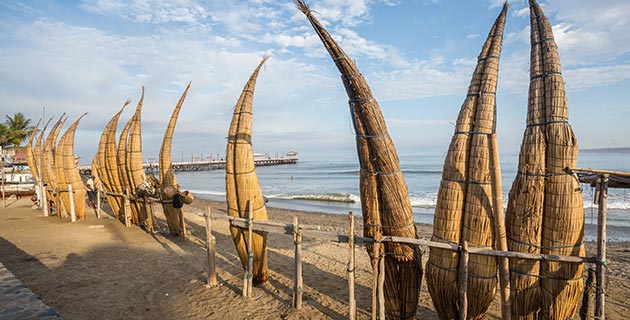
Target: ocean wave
<point>427,172</point>
<point>423,201</point>
<point>207,192</point>
<point>330,197</point>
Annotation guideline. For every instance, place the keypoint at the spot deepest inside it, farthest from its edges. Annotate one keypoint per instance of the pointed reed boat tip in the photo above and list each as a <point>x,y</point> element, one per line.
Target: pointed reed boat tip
<point>302,6</point>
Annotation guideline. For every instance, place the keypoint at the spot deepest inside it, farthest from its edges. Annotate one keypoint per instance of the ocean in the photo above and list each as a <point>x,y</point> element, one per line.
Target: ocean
<point>332,186</point>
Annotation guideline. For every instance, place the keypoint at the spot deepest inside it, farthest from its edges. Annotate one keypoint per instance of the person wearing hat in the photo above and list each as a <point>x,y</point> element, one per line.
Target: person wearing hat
<point>91,191</point>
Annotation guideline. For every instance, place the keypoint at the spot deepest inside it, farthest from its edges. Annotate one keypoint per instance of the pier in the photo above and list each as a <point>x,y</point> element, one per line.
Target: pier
<point>206,165</point>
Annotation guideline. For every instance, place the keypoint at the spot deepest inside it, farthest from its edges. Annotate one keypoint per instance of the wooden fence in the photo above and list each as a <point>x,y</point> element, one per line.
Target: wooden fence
<point>303,231</point>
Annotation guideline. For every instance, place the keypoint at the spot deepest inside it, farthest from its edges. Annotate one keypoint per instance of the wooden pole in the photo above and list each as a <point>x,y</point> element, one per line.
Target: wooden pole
<point>56,203</point>
<point>182,224</point>
<point>149,211</point>
<point>501,241</point>
<point>600,172</point>
<point>375,256</point>
<point>381,283</point>
<point>210,249</point>
<point>98,202</point>
<point>247,279</point>
<point>463,281</point>
<point>600,296</point>
<point>352,303</point>
<point>297,279</point>
<point>4,177</point>
<point>73,214</point>
<point>587,304</point>
<point>44,199</point>
<point>127,209</point>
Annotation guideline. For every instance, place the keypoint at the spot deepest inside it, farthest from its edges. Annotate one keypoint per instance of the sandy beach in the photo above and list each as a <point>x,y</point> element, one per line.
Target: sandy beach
<point>98,269</point>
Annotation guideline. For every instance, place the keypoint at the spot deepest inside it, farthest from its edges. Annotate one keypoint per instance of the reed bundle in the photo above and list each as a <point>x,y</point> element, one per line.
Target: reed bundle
<point>241,182</point>
<point>60,175</point>
<point>464,209</point>
<point>110,160</point>
<point>123,171</point>
<point>134,162</point>
<point>48,163</point>
<point>167,175</point>
<point>545,210</point>
<point>30,156</point>
<point>384,197</point>
<point>108,173</point>
<point>37,150</point>
<point>71,173</point>
<point>95,172</point>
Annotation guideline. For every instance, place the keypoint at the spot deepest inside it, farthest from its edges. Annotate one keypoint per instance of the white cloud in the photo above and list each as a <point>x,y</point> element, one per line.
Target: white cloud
<point>588,32</point>
<point>496,3</point>
<point>149,11</point>
<point>597,76</point>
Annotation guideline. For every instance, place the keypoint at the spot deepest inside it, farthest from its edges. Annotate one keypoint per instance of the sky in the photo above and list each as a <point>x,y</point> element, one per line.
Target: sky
<point>416,55</point>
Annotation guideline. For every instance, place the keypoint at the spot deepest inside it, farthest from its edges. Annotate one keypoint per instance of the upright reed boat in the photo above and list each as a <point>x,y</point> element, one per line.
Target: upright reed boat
<point>545,211</point>
<point>241,183</point>
<point>464,209</point>
<point>71,173</point>
<point>167,175</point>
<point>384,197</point>
<point>108,162</point>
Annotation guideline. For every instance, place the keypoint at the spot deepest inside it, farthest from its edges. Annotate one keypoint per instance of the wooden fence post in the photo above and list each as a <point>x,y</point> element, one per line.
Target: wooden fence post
<point>182,223</point>
<point>149,210</point>
<point>352,303</point>
<point>58,207</point>
<point>98,202</point>
<point>44,199</point>
<point>375,255</point>
<point>73,214</point>
<point>501,240</point>
<point>297,279</point>
<point>210,249</point>
<point>127,209</point>
<point>4,177</point>
<point>381,282</point>
<point>247,279</point>
<point>587,304</point>
<point>600,296</point>
<point>463,281</point>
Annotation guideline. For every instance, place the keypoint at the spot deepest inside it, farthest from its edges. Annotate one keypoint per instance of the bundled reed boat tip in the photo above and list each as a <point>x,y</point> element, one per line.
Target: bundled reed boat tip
<point>544,198</point>
<point>134,164</point>
<point>167,175</point>
<point>70,171</point>
<point>108,162</point>
<point>30,156</point>
<point>48,166</point>
<point>241,183</point>
<point>463,212</point>
<point>384,197</point>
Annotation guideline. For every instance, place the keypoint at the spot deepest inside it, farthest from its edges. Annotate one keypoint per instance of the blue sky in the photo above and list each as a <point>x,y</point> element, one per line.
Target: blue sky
<point>417,56</point>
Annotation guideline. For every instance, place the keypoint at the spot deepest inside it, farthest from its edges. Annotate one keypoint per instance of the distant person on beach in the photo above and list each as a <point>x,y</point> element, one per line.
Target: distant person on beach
<point>91,191</point>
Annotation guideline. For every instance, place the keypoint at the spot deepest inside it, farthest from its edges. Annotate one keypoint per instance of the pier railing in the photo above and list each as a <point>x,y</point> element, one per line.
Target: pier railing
<point>206,165</point>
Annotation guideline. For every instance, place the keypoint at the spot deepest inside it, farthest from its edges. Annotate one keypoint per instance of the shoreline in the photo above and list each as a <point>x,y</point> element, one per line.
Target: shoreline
<point>100,269</point>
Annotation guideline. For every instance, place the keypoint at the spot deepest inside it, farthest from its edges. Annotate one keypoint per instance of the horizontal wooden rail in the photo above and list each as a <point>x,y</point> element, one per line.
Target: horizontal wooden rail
<point>314,232</point>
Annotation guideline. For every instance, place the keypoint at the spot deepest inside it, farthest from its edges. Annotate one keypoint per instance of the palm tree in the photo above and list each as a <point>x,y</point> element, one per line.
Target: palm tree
<point>4,135</point>
<point>17,129</point>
